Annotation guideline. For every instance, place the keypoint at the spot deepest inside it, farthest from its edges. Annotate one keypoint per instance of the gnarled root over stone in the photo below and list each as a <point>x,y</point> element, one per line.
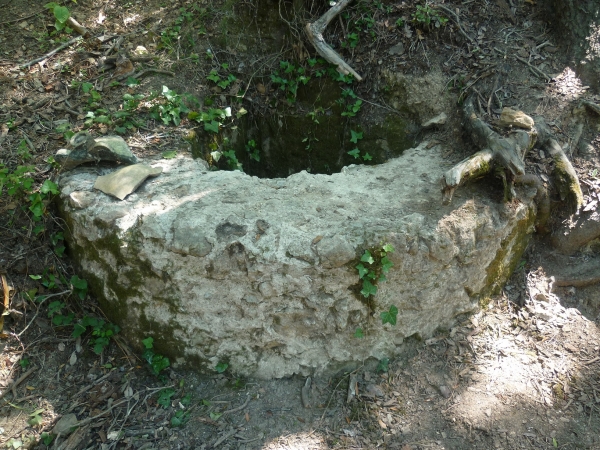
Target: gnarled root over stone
<point>542,200</point>
<point>567,181</point>
<point>503,153</point>
<point>314,32</point>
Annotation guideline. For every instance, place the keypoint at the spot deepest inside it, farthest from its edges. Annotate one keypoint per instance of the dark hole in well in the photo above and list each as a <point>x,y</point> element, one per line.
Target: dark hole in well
<point>312,135</point>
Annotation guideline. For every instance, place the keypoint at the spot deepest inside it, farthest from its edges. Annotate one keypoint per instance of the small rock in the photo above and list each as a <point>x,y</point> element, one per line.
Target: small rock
<point>445,391</point>
<point>373,390</point>
<point>140,50</point>
<point>397,49</point>
<point>65,425</point>
<point>519,119</point>
<point>440,119</point>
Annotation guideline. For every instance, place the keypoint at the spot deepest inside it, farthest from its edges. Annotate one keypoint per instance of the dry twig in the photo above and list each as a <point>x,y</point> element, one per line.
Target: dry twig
<point>13,386</point>
<point>314,32</point>
<point>50,53</point>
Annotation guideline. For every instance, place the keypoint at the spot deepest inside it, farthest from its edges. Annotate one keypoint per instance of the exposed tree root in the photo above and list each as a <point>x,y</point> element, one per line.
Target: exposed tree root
<point>577,232</point>
<point>502,154</point>
<point>314,32</point>
<point>577,282</point>
<point>542,200</point>
<point>564,175</point>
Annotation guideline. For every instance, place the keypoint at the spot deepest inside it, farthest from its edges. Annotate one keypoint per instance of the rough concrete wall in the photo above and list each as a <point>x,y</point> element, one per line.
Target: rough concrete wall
<point>260,273</point>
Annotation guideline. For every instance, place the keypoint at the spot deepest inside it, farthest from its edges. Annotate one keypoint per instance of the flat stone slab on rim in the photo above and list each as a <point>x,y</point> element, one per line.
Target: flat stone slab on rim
<point>124,181</point>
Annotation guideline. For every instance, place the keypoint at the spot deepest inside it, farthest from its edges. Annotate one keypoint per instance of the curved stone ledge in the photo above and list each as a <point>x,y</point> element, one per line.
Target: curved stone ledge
<point>260,273</point>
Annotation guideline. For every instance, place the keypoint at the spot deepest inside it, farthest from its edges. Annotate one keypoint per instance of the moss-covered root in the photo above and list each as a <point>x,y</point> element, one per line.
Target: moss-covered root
<point>468,169</point>
<point>565,178</point>
<point>567,181</point>
<point>542,200</point>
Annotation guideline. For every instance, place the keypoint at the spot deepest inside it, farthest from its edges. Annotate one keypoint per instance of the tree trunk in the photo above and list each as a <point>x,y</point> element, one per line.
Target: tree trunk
<point>577,25</point>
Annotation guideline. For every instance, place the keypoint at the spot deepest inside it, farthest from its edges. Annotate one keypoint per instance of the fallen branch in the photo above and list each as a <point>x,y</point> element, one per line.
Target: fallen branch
<point>46,297</point>
<point>50,53</point>
<point>239,408</point>
<point>314,32</point>
<point>113,59</point>
<point>144,72</point>
<point>534,69</point>
<point>78,27</point>
<point>13,386</point>
<point>457,22</point>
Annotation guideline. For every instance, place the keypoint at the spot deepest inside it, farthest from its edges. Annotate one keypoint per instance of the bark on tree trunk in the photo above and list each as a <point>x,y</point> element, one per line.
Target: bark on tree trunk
<point>577,26</point>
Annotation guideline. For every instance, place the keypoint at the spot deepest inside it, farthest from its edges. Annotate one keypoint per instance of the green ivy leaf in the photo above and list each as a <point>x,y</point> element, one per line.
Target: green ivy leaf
<point>221,367</point>
<point>169,155</point>
<point>366,257</point>
<point>186,400</point>
<point>213,126</point>
<point>356,136</point>
<point>49,186</point>
<point>368,289</point>
<point>362,271</point>
<point>35,420</point>
<point>61,13</point>
<point>102,119</point>
<point>164,397</point>
<point>359,333</point>
<point>386,264</point>
<point>389,316</point>
<point>355,153</point>
<point>388,248</point>
<point>367,157</point>
<point>148,342</point>
<point>78,330</point>
<point>383,365</point>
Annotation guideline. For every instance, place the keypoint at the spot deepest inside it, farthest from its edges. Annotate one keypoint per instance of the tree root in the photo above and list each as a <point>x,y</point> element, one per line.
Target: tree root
<point>314,32</point>
<point>564,175</point>
<point>576,233</point>
<point>577,282</point>
<point>541,199</point>
<point>499,153</point>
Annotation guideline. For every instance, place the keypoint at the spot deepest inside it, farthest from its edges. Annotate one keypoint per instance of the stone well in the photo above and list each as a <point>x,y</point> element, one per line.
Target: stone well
<point>261,273</point>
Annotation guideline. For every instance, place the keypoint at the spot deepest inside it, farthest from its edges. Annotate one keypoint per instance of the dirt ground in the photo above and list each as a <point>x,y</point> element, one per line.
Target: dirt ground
<point>521,373</point>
